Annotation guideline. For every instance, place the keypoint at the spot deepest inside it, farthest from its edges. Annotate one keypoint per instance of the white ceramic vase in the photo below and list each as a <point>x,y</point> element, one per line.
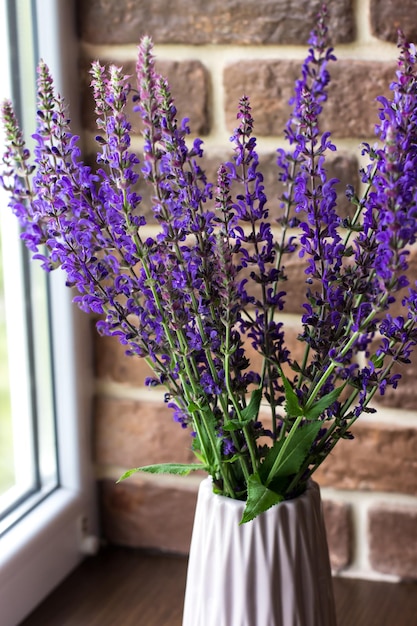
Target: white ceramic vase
<point>272,571</point>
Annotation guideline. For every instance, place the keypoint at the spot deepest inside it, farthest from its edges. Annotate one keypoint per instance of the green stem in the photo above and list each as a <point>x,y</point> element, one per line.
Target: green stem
<point>247,434</point>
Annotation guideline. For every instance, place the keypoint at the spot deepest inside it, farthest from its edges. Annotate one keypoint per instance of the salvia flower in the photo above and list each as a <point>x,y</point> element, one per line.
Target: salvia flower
<point>202,298</point>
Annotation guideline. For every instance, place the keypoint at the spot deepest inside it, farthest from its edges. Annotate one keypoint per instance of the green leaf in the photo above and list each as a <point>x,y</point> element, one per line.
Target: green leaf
<point>260,499</point>
<point>247,415</point>
<point>251,411</point>
<point>206,432</point>
<point>197,451</point>
<point>297,446</point>
<point>378,361</point>
<point>269,460</point>
<point>292,404</point>
<point>233,458</point>
<point>180,469</point>
<point>234,424</point>
<point>321,405</point>
<point>298,449</point>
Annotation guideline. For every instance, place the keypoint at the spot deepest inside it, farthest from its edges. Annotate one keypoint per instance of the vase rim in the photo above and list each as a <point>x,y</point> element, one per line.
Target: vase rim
<point>206,487</point>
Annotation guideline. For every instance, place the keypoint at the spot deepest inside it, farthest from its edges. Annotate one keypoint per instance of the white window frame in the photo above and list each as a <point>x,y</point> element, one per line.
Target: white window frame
<point>51,540</point>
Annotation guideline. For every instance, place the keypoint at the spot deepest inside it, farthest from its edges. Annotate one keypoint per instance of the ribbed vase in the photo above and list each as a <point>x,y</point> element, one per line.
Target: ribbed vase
<point>272,571</point>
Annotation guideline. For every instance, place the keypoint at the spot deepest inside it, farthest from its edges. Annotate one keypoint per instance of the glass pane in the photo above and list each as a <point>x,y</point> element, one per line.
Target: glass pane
<point>7,474</point>
<point>18,420</point>
<point>42,374</point>
<point>28,460</point>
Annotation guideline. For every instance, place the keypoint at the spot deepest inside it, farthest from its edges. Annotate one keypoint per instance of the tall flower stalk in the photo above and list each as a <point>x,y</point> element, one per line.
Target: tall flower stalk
<point>209,288</point>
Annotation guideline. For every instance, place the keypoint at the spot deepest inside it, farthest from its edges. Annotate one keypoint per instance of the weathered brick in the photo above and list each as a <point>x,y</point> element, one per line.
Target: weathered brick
<point>111,363</point>
<point>188,80</point>
<point>296,348</point>
<point>270,83</point>
<point>295,286</point>
<point>351,109</point>
<point>214,22</point>
<point>380,458</point>
<point>388,16</point>
<point>393,539</point>
<point>411,273</point>
<point>405,395</point>
<point>345,168</point>
<point>340,165</point>
<point>148,514</point>
<point>210,163</point>
<point>131,433</point>
<point>339,530</point>
<point>151,514</point>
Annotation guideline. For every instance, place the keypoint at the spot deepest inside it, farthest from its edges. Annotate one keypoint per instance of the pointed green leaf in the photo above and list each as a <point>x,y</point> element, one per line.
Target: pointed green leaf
<point>180,469</point>
<point>321,405</point>
<point>297,446</point>
<point>298,449</point>
<point>270,458</point>
<point>247,415</point>
<point>292,404</point>
<point>260,499</point>
<point>197,452</point>
<point>232,459</point>
<point>206,434</point>
<point>234,424</point>
<point>209,415</point>
<point>251,411</point>
<point>378,361</point>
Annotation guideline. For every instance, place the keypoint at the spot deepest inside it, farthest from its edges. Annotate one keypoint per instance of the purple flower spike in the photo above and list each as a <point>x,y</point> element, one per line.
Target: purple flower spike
<point>202,295</point>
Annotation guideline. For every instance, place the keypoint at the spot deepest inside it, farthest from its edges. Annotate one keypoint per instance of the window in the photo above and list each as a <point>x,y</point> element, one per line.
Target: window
<point>27,425</point>
<point>28,436</point>
<point>46,500</point>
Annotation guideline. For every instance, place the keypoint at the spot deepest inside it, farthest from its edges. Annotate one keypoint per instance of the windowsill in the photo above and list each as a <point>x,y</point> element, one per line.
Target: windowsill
<point>32,553</point>
<point>125,586</point>
<point>29,498</point>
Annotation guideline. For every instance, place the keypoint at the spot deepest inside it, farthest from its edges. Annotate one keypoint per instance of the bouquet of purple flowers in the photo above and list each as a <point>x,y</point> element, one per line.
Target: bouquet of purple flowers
<point>211,281</point>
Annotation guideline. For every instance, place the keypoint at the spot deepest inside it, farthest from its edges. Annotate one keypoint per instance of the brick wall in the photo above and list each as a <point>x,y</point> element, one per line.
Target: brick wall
<point>213,52</point>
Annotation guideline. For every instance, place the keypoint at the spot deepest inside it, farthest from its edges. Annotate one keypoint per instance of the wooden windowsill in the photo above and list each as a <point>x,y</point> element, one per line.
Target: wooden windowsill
<point>123,587</point>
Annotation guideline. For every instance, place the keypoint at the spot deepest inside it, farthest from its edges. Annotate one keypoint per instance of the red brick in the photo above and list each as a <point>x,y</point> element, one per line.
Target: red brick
<point>296,348</point>
<point>351,109</point>
<point>405,396</point>
<point>112,364</point>
<point>388,16</point>
<point>214,22</point>
<point>380,458</point>
<point>339,530</point>
<point>188,80</point>
<point>270,83</point>
<point>411,273</point>
<point>340,165</point>
<point>131,433</point>
<point>148,514</point>
<point>295,287</point>
<point>393,540</point>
